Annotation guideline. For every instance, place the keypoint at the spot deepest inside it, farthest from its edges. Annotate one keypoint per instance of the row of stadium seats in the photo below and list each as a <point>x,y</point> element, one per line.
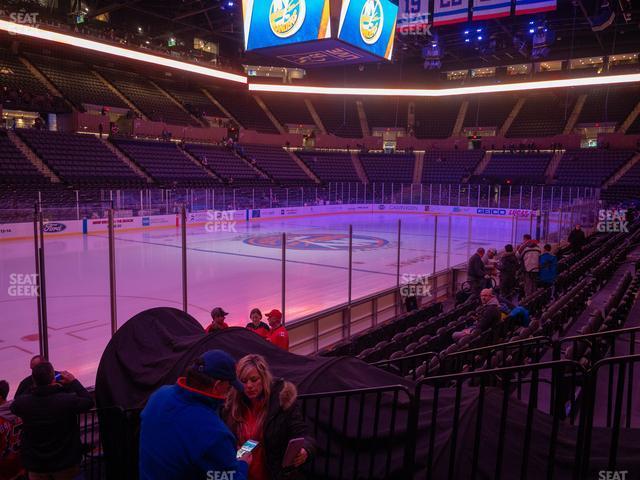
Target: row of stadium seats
<point>84,159</point>
<point>419,351</point>
<point>543,114</point>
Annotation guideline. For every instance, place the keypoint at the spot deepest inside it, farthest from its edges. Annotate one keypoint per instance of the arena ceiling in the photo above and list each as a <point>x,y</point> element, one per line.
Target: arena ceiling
<point>506,41</point>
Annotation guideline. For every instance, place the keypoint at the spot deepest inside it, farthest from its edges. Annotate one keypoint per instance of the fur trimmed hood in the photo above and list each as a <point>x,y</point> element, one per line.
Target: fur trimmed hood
<point>288,393</point>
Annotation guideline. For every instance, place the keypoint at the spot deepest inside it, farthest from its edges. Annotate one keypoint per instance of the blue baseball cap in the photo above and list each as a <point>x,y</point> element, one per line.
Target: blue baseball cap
<point>218,364</point>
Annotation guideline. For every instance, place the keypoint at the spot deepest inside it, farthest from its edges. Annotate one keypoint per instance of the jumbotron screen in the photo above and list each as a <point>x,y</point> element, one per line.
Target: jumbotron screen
<point>368,25</point>
<point>273,23</point>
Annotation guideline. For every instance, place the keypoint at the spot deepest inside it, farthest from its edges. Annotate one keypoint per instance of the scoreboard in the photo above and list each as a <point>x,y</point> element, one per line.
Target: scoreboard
<point>269,23</point>
<point>320,32</point>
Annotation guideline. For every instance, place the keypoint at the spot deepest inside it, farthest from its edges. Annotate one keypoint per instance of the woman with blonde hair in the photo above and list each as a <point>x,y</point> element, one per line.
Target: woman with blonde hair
<point>268,413</point>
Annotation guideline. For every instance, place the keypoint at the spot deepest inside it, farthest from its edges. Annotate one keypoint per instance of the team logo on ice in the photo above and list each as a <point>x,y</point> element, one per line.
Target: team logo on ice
<point>286,17</point>
<point>371,21</point>
<point>317,241</point>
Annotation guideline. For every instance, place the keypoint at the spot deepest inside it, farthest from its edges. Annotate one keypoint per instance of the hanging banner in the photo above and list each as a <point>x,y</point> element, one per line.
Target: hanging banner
<point>524,7</point>
<point>412,14</point>
<point>450,11</point>
<point>485,9</point>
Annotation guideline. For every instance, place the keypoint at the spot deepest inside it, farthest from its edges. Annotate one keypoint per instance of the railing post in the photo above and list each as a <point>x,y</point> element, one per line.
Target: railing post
<point>520,204</point>
<point>38,237</point>
<point>398,265</point>
<point>435,246</point>
<point>469,237</point>
<point>112,274</point>
<point>412,437</point>
<point>449,243</point>
<point>350,265</point>
<point>284,273</point>
<point>183,229</point>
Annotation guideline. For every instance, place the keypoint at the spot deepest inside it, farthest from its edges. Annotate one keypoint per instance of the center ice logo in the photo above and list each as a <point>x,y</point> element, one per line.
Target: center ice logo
<point>317,241</point>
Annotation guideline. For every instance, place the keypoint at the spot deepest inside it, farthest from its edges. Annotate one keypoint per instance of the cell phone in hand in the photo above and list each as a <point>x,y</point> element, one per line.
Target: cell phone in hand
<point>247,447</point>
<point>293,449</point>
<point>57,376</point>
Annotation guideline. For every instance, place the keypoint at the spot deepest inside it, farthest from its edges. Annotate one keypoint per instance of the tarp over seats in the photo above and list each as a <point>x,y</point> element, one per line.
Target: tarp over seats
<point>156,346</point>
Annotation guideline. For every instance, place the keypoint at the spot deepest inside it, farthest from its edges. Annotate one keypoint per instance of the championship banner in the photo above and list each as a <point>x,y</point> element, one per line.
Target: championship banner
<point>485,9</point>
<point>524,7</point>
<point>412,13</point>
<point>446,12</point>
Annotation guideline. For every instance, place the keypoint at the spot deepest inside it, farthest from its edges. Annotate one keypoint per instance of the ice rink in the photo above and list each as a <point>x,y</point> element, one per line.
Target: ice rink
<point>238,269</point>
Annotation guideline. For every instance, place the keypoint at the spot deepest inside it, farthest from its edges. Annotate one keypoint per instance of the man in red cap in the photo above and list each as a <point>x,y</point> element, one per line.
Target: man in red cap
<point>217,320</point>
<point>278,335</point>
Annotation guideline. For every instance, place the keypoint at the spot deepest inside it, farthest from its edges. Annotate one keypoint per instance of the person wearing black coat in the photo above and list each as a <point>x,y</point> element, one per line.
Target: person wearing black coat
<point>267,411</point>
<point>476,272</point>
<point>577,239</point>
<point>50,442</point>
<point>508,266</point>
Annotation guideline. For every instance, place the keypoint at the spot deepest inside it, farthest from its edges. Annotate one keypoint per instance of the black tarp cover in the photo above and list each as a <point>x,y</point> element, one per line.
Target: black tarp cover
<point>154,347</point>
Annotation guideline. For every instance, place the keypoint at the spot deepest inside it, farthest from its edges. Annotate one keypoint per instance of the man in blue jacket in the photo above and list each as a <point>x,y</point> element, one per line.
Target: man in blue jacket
<point>548,267</point>
<point>182,435</point>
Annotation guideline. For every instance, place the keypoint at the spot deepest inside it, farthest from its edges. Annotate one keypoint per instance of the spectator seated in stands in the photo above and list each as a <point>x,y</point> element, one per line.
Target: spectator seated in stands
<point>10,464</point>
<point>51,445</point>
<point>217,320</point>
<point>278,335</point>
<point>488,315</point>
<point>267,412</point>
<point>257,325</point>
